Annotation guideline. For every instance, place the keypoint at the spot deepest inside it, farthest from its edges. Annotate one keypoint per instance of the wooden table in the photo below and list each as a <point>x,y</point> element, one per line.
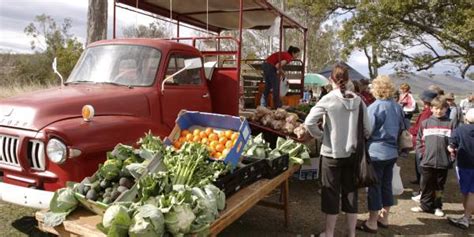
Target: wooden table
<point>83,223</point>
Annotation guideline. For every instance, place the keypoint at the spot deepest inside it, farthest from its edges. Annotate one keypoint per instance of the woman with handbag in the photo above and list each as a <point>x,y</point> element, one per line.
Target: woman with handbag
<point>387,120</point>
<point>340,109</point>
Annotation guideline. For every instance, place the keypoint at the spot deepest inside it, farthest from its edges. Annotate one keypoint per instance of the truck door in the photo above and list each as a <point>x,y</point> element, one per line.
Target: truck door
<point>186,90</point>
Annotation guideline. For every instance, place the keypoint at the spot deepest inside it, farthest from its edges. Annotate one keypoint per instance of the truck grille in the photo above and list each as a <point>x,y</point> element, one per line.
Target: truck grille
<point>36,155</point>
<point>9,150</point>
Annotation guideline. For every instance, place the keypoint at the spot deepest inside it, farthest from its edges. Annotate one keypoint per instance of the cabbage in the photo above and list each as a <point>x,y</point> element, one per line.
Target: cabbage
<point>179,219</point>
<point>116,221</point>
<point>62,203</point>
<point>148,221</point>
<point>219,196</point>
<point>111,169</point>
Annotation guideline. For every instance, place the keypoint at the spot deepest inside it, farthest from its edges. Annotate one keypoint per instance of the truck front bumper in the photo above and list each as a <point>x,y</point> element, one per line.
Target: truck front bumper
<point>28,197</point>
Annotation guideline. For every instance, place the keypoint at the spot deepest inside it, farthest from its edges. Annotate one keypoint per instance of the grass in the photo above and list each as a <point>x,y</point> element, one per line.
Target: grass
<point>13,90</point>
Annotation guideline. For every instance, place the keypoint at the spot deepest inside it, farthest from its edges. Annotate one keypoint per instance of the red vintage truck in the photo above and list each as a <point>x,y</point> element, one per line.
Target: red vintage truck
<point>118,90</point>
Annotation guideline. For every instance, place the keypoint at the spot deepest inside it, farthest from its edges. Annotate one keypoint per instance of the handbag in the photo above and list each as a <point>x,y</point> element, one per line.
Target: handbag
<point>365,173</point>
<point>405,140</point>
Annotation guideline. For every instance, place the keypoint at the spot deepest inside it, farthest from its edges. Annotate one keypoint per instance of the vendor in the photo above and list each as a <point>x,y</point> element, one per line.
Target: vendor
<point>273,71</point>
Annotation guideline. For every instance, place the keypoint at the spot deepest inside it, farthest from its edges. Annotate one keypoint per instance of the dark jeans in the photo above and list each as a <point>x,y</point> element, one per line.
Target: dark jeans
<point>271,82</point>
<point>381,194</point>
<point>338,185</point>
<point>432,186</point>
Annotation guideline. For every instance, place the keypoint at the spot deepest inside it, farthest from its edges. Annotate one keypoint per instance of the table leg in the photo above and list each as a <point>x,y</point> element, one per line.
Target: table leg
<point>286,191</point>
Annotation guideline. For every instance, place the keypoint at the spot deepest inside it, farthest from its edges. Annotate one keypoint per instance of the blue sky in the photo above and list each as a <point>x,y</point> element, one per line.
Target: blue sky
<point>15,15</point>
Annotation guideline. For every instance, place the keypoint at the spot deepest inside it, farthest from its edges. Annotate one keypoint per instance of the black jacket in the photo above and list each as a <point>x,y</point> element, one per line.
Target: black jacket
<point>432,142</point>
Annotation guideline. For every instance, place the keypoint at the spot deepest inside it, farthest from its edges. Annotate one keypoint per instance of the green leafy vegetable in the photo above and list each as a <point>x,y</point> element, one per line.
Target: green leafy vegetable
<point>62,203</point>
<point>148,221</point>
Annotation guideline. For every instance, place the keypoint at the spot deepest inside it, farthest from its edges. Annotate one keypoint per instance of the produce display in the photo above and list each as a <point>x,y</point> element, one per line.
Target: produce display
<point>219,143</point>
<point>177,198</point>
<point>302,110</point>
<point>159,190</point>
<point>258,148</point>
<point>118,174</point>
<point>279,120</point>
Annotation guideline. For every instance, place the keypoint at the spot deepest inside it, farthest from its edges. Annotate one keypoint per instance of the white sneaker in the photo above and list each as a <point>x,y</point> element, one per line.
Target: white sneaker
<point>462,222</point>
<point>416,209</point>
<point>439,212</point>
<point>416,198</point>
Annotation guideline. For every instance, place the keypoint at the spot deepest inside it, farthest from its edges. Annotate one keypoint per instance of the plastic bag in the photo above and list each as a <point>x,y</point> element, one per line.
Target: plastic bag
<point>284,86</point>
<point>397,185</point>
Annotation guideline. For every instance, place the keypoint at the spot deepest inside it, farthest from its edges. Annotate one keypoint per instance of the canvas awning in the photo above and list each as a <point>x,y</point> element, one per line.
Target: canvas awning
<point>353,74</point>
<point>216,15</point>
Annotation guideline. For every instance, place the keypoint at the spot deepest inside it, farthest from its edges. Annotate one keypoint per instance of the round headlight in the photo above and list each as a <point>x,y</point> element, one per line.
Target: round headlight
<point>56,151</point>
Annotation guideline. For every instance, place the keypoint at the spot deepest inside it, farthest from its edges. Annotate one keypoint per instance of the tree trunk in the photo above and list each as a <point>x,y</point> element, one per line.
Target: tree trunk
<point>96,21</point>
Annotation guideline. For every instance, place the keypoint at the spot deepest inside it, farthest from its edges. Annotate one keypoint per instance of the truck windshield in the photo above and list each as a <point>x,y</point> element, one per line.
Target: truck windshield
<point>128,65</point>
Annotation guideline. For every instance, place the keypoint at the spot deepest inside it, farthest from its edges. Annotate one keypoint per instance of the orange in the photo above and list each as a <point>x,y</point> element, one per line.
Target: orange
<point>229,144</point>
<point>189,137</point>
<point>228,133</point>
<point>182,139</point>
<point>234,136</point>
<point>196,139</point>
<point>222,140</point>
<point>213,144</point>
<point>205,140</point>
<point>177,144</point>
<point>218,155</point>
<point>202,134</point>
<point>196,132</point>
<point>225,152</point>
<point>209,131</point>
<point>184,133</point>
<point>213,137</point>
<point>220,147</point>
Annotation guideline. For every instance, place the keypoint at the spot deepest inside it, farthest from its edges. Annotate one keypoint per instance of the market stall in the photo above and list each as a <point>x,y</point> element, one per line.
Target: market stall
<point>198,180</point>
<point>83,222</point>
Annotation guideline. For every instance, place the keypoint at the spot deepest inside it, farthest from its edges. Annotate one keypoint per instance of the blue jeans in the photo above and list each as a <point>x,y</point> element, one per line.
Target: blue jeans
<point>381,194</point>
<point>271,82</point>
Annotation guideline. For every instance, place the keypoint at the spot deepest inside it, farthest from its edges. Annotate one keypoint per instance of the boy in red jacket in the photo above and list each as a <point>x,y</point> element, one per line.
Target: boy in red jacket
<point>427,96</point>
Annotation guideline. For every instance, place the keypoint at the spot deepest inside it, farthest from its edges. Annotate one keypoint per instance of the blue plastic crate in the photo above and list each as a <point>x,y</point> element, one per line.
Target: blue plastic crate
<point>190,119</point>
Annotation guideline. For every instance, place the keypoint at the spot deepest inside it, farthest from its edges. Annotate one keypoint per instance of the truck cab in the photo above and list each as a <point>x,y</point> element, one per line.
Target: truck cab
<point>115,94</point>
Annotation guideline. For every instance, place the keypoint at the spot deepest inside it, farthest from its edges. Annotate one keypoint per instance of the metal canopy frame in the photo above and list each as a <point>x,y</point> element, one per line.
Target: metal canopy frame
<point>252,14</point>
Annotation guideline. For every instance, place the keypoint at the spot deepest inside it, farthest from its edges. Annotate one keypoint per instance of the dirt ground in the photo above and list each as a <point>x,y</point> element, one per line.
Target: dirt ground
<point>306,218</point>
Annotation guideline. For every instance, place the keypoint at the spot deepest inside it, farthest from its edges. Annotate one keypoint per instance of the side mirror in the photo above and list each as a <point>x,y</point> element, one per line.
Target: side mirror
<point>55,70</point>
<point>191,63</point>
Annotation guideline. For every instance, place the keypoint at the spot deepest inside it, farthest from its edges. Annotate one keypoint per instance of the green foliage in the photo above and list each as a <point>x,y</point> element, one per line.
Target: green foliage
<point>153,30</point>
<point>323,44</point>
<point>49,40</point>
<point>386,30</point>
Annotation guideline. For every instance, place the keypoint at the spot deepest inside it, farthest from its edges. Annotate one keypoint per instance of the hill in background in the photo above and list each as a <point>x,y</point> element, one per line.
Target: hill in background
<point>421,81</point>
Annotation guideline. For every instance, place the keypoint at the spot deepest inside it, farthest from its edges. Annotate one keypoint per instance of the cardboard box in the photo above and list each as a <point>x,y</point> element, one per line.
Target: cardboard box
<point>308,172</point>
<point>193,119</point>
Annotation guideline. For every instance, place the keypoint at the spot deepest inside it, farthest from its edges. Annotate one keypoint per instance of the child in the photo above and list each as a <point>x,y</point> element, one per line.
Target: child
<point>426,97</point>
<point>461,145</point>
<point>432,142</point>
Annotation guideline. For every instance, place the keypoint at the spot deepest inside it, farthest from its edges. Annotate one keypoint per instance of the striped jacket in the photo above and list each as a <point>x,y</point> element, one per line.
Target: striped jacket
<point>432,142</point>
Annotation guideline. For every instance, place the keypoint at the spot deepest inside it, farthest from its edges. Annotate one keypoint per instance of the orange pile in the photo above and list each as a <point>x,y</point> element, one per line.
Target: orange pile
<point>219,143</point>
